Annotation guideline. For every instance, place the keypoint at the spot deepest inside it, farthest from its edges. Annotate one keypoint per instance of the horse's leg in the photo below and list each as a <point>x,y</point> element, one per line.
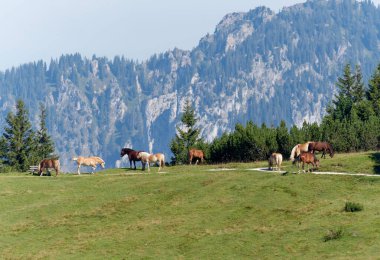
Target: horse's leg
<point>78,169</point>
<point>191,158</point>
<point>93,169</point>
<point>41,171</point>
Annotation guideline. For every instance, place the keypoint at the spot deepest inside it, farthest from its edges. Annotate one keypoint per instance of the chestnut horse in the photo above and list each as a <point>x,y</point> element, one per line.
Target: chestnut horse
<point>196,154</point>
<point>46,164</point>
<point>132,156</point>
<point>308,158</point>
<point>296,151</point>
<point>274,161</point>
<point>321,147</point>
<point>89,161</point>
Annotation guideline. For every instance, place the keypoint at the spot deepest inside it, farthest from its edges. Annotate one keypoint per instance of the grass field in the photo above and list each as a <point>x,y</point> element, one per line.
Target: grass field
<point>190,212</point>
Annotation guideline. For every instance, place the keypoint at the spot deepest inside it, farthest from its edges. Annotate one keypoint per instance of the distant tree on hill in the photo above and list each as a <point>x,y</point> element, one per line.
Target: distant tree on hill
<point>43,141</point>
<point>187,135</point>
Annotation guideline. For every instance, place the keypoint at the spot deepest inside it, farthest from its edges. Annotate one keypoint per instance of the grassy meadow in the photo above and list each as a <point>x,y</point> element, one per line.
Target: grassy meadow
<point>225,211</point>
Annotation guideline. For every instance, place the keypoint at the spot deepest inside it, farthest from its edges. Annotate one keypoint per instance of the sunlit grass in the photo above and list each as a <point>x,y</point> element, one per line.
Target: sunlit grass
<point>191,212</point>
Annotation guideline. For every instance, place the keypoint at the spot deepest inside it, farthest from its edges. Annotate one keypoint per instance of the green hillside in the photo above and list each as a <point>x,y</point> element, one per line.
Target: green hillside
<point>192,212</point>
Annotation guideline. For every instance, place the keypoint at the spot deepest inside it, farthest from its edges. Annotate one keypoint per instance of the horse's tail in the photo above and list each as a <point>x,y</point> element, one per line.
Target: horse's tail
<point>39,166</point>
<point>293,153</point>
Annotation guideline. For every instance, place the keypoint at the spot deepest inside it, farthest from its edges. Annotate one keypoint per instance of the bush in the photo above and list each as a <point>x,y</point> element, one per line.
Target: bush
<point>333,234</point>
<point>352,207</point>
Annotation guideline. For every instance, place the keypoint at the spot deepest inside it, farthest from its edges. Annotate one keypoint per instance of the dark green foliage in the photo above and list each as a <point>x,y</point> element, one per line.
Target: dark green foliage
<point>18,139</point>
<point>187,136</point>
<point>44,143</point>
<point>352,207</point>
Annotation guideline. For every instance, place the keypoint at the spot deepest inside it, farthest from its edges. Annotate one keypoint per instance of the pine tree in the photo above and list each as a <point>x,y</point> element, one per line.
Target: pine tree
<point>19,138</point>
<point>373,93</point>
<point>45,145</point>
<point>344,100</point>
<point>187,136</point>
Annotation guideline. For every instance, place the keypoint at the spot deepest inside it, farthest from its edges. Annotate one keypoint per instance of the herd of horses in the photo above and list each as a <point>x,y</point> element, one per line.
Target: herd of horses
<point>303,153</point>
<point>133,156</point>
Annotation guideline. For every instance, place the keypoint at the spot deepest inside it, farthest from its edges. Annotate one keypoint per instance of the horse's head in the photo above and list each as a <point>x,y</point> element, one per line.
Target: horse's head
<point>331,150</point>
<point>75,158</point>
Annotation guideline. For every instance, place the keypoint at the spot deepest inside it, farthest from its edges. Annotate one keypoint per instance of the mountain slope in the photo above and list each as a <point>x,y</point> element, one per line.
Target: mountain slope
<point>259,65</point>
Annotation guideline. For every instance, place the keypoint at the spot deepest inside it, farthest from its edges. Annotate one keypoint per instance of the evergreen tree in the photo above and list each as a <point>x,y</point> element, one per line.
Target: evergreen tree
<point>344,100</point>
<point>373,93</point>
<point>187,136</point>
<point>283,140</point>
<point>45,145</point>
<point>19,138</point>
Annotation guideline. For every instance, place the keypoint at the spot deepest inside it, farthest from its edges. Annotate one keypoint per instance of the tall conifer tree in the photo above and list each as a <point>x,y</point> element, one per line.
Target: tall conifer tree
<point>19,138</point>
<point>187,135</point>
<point>45,145</point>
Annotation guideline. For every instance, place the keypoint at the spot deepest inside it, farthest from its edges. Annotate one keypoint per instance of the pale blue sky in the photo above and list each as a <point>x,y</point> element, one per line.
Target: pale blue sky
<point>45,29</point>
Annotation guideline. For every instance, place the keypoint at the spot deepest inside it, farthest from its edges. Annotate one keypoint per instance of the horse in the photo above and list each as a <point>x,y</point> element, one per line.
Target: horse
<point>89,161</point>
<point>46,164</point>
<point>297,149</point>
<point>147,158</point>
<point>322,147</point>
<point>160,159</point>
<point>275,159</point>
<point>308,158</point>
<point>196,154</point>
<point>132,156</point>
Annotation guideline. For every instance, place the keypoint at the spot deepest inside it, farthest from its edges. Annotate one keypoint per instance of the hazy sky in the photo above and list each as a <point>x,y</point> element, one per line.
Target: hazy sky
<point>43,29</point>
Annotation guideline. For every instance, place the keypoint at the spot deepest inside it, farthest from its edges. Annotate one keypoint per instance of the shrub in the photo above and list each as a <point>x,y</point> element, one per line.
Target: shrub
<point>333,234</point>
<point>352,207</point>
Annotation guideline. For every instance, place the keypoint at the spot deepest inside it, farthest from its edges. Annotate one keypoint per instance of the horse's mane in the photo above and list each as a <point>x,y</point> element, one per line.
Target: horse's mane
<point>293,153</point>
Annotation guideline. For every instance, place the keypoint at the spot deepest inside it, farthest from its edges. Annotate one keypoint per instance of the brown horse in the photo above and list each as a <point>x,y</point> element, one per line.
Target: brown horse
<point>196,154</point>
<point>132,156</point>
<point>321,147</point>
<point>47,164</point>
<point>308,158</point>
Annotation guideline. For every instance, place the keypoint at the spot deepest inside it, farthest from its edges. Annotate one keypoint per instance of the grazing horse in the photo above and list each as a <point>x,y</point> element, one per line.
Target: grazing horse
<point>308,158</point>
<point>296,151</point>
<point>146,159</point>
<point>132,156</point>
<point>321,147</point>
<point>89,161</point>
<point>275,159</point>
<point>46,164</point>
<point>196,154</point>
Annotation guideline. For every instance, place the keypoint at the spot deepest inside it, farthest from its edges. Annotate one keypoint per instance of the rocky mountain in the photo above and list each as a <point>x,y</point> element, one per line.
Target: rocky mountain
<point>257,65</point>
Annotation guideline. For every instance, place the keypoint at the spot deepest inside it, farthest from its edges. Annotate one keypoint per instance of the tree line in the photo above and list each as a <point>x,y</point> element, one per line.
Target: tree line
<point>351,123</point>
<point>20,145</point>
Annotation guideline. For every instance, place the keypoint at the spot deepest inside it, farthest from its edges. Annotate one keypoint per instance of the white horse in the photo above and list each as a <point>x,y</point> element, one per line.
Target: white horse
<point>89,161</point>
<point>147,158</point>
<point>275,161</point>
<point>296,151</point>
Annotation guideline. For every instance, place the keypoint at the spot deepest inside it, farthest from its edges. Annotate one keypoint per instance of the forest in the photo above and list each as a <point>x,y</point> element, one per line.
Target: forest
<point>351,123</point>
